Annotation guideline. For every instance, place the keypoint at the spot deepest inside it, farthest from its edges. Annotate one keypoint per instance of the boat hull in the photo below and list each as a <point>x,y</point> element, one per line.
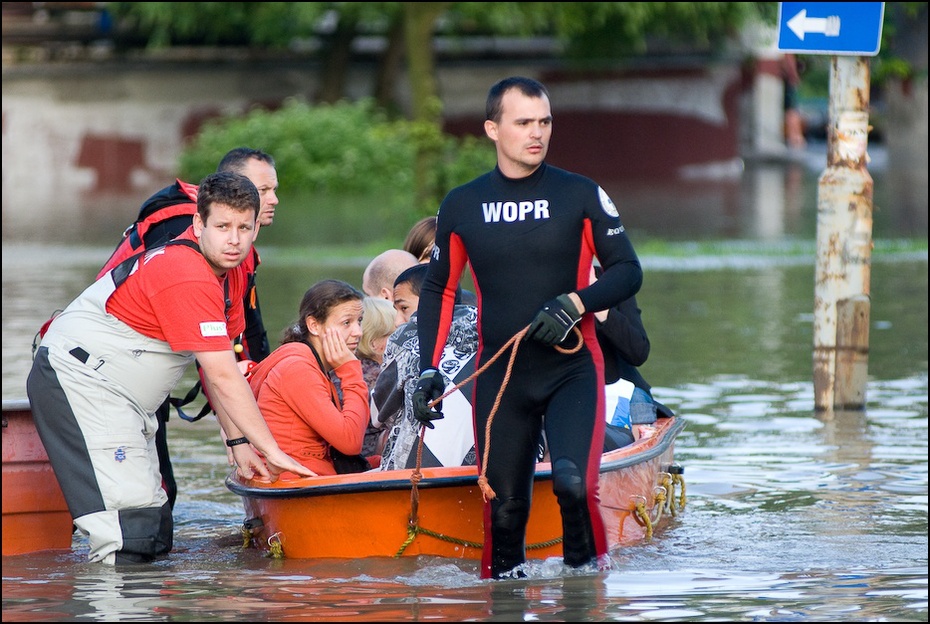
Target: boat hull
<point>35,515</point>
<point>368,514</point>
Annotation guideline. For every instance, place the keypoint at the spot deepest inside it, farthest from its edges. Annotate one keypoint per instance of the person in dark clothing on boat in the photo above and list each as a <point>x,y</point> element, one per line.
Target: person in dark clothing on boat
<point>529,231</point>
<point>167,214</point>
<point>625,346</point>
<point>623,341</point>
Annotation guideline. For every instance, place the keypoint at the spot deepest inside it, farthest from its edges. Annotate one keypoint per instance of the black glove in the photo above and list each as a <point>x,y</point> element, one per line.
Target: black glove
<point>553,321</point>
<point>430,386</point>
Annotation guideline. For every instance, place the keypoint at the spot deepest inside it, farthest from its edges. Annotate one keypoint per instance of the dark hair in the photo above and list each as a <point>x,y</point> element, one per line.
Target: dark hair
<point>420,238</point>
<point>415,276</point>
<point>527,86</point>
<point>236,159</point>
<point>318,302</point>
<point>230,189</point>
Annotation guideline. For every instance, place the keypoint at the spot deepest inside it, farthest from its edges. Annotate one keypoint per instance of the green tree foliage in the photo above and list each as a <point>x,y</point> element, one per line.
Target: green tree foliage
<point>260,24</point>
<point>600,31</point>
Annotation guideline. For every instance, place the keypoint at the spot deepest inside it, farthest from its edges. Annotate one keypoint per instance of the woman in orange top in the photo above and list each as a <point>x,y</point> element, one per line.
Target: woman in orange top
<point>293,386</point>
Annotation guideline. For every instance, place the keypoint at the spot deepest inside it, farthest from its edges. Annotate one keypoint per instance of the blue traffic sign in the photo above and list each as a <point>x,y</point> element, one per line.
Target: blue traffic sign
<point>842,28</point>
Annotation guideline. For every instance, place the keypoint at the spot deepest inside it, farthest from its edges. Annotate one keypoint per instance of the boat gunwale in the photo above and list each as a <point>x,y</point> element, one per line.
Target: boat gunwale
<point>466,476</point>
<point>16,405</point>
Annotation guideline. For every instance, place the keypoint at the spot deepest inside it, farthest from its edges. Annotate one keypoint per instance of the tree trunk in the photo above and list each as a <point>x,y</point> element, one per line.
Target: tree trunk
<point>389,66</point>
<point>336,61</point>
<point>419,23</point>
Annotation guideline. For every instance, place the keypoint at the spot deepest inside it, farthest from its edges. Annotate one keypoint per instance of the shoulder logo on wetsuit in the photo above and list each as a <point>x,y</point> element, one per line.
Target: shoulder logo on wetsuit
<point>606,203</point>
<point>509,211</point>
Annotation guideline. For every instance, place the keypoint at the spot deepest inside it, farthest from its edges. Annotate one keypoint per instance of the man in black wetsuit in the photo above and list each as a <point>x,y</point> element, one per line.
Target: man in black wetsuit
<point>529,231</point>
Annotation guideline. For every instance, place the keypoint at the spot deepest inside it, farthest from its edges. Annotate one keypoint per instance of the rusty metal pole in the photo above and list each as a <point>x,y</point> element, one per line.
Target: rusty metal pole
<point>844,244</point>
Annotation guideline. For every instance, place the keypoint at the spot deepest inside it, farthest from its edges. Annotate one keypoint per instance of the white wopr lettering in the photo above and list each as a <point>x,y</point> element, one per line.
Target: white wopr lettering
<point>494,212</point>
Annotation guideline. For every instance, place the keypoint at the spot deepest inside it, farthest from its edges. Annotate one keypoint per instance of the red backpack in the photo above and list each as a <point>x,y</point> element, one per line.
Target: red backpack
<point>163,216</point>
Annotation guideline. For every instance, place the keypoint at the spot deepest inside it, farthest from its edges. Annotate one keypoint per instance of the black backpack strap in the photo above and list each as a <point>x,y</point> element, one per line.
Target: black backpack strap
<point>190,396</point>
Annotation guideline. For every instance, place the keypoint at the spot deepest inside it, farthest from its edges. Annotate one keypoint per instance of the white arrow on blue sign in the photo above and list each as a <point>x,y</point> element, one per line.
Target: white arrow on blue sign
<point>843,28</point>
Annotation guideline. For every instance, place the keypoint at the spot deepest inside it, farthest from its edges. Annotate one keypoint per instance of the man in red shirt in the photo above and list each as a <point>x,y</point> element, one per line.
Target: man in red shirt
<point>166,215</point>
<point>112,357</point>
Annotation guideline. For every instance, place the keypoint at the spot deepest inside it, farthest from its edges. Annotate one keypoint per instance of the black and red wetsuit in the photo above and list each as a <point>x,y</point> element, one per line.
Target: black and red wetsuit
<point>527,241</point>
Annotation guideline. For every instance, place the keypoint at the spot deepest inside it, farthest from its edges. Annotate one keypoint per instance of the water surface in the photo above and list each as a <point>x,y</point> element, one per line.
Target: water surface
<point>791,515</point>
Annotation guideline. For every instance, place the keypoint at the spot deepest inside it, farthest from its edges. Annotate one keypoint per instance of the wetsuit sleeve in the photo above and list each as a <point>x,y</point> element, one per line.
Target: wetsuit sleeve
<point>437,294</point>
<point>622,274</point>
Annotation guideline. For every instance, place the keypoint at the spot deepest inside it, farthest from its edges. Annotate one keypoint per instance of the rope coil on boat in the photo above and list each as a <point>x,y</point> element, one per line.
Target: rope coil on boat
<point>641,514</point>
<point>663,500</point>
<point>682,499</point>
<point>276,548</point>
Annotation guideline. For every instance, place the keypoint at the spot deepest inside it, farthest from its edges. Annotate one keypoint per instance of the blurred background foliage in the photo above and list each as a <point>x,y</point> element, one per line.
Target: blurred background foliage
<point>368,148</point>
<point>347,164</point>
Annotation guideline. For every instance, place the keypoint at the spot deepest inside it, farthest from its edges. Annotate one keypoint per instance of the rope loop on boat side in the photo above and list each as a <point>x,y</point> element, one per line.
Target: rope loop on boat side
<point>660,498</point>
<point>682,499</point>
<point>642,515</point>
<point>663,500</point>
<point>669,481</point>
<point>665,481</point>
<point>413,530</point>
<point>275,546</point>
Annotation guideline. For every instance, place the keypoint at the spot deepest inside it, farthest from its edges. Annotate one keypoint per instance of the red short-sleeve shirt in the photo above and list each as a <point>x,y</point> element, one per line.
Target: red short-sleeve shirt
<point>174,296</point>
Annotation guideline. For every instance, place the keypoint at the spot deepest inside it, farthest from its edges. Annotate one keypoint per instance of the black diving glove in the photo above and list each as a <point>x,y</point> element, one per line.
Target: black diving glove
<point>553,321</point>
<point>430,387</point>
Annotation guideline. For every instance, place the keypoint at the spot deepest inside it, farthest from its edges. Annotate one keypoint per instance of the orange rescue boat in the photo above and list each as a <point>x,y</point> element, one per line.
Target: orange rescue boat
<point>383,514</point>
<point>35,515</point>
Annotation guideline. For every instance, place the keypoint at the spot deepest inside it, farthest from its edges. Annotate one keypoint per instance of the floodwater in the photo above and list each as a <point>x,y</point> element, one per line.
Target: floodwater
<point>791,514</point>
